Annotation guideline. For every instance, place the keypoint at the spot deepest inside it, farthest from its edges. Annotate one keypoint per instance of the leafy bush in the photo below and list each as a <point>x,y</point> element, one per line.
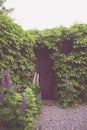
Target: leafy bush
<point>18,111</point>
<point>68,52</point>
<point>16,52</point>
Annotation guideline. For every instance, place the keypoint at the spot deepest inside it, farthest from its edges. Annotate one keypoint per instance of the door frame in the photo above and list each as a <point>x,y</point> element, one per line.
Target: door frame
<point>54,80</point>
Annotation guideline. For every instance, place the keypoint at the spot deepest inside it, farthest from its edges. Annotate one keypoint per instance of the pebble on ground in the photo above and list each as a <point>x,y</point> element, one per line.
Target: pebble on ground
<point>54,118</point>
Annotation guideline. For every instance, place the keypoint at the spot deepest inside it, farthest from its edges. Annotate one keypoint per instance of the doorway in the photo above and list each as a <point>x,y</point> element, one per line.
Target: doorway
<point>46,76</point>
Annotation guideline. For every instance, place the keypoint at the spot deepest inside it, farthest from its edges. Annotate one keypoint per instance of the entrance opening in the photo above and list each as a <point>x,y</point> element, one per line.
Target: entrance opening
<point>46,76</point>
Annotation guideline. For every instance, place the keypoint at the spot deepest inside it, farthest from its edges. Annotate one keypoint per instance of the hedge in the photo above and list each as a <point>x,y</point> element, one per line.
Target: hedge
<point>68,53</point>
<point>16,52</point>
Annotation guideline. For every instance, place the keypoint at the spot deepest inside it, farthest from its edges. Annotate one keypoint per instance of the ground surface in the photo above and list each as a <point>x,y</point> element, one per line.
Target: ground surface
<point>55,118</point>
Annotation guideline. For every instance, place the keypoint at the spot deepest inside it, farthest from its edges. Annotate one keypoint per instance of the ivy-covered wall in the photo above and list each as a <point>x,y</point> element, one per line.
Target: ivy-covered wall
<point>19,104</point>
<point>70,66</point>
<point>68,53</point>
<point>16,52</point>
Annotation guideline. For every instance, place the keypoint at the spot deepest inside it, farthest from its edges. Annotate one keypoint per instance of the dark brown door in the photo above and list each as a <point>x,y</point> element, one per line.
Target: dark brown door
<point>46,78</point>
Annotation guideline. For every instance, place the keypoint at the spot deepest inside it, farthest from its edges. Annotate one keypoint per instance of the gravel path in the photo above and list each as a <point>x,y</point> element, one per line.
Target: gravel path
<point>55,118</point>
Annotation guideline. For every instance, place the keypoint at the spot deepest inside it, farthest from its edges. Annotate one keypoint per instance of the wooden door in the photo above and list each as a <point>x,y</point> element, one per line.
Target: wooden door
<point>46,77</point>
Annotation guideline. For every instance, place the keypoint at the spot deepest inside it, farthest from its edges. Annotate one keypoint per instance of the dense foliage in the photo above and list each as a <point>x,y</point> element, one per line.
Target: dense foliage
<point>68,52</point>
<point>69,55</point>
<point>70,66</point>
<point>17,110</point>
<point>16,52</point>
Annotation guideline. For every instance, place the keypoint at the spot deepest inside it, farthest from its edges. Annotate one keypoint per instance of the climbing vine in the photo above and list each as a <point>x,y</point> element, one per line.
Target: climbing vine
<point>19,103</point>
<point>16,52</point>
<point>69,47</point>
<point>68,52</point>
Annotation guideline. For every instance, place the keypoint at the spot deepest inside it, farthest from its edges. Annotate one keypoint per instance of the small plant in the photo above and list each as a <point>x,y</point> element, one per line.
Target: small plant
<point>18,111</point>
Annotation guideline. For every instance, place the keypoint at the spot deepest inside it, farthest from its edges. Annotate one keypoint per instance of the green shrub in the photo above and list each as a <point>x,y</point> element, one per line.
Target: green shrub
<point>18,111</point>
<point>16,52</point>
